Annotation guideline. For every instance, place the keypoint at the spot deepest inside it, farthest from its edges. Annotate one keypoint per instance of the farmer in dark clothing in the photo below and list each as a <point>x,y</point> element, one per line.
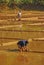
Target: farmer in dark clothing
<point>22,45</point>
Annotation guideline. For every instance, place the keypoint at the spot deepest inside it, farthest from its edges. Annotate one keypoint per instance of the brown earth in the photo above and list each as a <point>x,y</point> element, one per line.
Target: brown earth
<point>12,30</point>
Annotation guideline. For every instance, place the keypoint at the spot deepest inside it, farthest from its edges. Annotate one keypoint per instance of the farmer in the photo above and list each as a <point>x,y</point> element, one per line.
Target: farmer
<point>22,45</point>
<point>19,15</point>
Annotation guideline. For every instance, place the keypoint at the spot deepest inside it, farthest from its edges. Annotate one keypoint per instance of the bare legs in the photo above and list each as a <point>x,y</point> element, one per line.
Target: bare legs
<point>21,49</point>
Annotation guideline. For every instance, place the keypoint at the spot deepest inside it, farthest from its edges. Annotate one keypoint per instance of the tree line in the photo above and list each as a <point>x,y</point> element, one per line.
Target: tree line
<point>19,3</point>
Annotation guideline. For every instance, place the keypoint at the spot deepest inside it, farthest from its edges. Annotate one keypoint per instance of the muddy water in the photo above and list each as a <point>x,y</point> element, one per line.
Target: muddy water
<point>18,58</point>
<point>12,44</point>
<point>20,34</point>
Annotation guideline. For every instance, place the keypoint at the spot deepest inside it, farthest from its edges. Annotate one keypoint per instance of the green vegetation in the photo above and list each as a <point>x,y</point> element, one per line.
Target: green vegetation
<point>11,4</point>
<point>30,1</point>
<point>22,3</point>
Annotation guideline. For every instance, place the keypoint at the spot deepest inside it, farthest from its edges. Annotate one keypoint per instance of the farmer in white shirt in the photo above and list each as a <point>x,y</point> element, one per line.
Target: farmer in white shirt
<point>19,15</point>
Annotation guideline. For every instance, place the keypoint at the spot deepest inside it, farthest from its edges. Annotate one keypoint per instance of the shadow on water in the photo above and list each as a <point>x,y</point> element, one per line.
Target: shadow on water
<point>12,50</point>
<point>17,50</point>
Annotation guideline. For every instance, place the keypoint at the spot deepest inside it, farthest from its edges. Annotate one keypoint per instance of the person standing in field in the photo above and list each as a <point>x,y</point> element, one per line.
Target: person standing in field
<point>19,15</point>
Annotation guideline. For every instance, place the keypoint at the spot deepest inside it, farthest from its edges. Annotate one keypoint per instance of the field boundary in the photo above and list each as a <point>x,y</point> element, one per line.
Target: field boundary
<point>13,42</point>
<point>39,39</point>
<point>8,26</point>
